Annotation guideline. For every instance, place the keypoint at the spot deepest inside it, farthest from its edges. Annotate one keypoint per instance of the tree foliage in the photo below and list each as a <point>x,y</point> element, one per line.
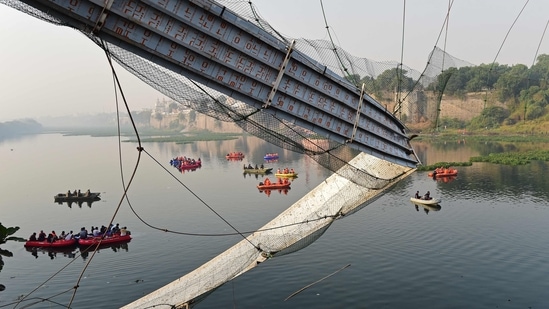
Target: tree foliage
<point>491,117</point>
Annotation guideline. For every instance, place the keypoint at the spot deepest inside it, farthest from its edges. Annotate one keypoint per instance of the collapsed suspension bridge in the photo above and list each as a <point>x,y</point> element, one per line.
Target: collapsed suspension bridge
<point>206,55</point>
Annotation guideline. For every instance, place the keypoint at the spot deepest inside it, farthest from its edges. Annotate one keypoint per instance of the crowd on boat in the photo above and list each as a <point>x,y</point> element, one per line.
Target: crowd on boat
<point>183,161</point>
<point>271,155</point>
<point>235,154</point>
<point>78,193</point>
<point>280,181</point>
<point>285,171</point>
<point>250,167</point>
<point>443,171</point>
<point>95,231</point>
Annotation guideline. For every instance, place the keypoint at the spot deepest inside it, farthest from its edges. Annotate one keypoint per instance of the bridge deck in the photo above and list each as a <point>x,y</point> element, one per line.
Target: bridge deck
<point>208,43</point>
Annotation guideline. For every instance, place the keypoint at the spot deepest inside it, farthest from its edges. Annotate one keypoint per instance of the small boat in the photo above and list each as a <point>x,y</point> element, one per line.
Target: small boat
<point>258,170</point>
<point>271,156</point>
<point>190,166</point>
<point>184,163</point>
<point>432,201</point>
<point>286,175</point>
<point>443,172</point>
<point>273,186</point>
<point>107,240</point>
<point>235,155</point>
<point>78,197</point>
<point>56,244</point>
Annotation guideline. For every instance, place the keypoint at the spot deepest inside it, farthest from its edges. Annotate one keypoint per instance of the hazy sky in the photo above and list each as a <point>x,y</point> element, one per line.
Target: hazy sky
<point>46,70</point>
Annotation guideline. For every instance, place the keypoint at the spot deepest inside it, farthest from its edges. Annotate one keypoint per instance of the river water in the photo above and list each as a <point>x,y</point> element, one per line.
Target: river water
<point>486,247</point>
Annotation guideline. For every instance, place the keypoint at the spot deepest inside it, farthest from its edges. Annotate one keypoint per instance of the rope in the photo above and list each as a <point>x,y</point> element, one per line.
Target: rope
<point>533,63</point>
<point>499,50</point>
<point>334,48</point>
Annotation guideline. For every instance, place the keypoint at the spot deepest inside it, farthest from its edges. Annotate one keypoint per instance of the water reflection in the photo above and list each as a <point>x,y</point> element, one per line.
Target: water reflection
<point>427,208</point>
<point>281,191</point>
<point>52,253</point>
<point>73,251</point>
<point>79,203</point>
<point>446,179</point>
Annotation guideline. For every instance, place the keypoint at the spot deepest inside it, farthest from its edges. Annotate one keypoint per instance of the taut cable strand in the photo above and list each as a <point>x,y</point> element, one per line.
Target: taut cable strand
<point>203,202</point>
<point>499,50</point>
<point>42,284</point>
<point>533,63</point>
<point>115,77</point>
<point>343,68</point>
<point>430,56</point>
<point>400,73</point>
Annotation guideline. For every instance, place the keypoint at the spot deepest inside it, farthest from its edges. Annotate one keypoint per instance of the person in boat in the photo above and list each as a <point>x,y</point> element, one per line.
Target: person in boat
<point>79,194</point>
<point>123,231</point>
<point>62,235</point>
<point>115,229</point>
<point>41,236</point>
<point>417,195</point>
<point>68,193</point>
<point>261,166</point>
<point>33,237</point>
<point>267,181</point>
<point>256,166</point>
<point>292,171</point>
<point>250,166</point>
<point>83,233</point>
<point>50,238</point>
<point>69,236</point>
<point>96,232</point>
<point>435,173</point>
<point>278,171</point>
<point>88,193</point>
<point>427,196</point>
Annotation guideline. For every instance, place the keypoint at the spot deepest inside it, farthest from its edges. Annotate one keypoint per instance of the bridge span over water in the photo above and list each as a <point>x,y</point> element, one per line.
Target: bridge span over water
<point>208,43</point>
<point>218,50</point>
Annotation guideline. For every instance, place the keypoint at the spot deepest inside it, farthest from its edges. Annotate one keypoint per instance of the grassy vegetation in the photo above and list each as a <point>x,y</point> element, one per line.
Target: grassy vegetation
<point>443,165</point>
<point>149,134</point>
<point>191,137</point>
<point>514,158</point>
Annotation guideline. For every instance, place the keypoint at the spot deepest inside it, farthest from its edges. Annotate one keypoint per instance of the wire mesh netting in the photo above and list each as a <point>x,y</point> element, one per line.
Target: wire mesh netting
<point>358,178</point>
<point>329,154</point>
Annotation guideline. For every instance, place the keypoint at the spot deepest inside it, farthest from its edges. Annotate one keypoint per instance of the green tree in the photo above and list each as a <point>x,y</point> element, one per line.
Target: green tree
<point>353,79</point>
<point>393,80</point>
<point>510,83</point>
<point>490,117</point>
<point>173,107</point>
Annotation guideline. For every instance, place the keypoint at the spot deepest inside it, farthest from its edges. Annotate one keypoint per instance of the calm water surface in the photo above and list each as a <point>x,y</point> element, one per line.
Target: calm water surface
<point>487,246</point>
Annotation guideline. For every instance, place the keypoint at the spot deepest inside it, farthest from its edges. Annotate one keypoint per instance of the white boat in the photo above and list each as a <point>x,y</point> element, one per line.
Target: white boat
<point>432,201</point>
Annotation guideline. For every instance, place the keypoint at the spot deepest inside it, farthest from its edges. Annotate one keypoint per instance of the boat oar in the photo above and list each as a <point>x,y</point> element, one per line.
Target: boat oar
<point>310,285</point>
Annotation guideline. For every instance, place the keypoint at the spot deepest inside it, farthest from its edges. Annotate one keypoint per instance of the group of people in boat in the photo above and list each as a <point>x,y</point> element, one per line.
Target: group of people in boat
<point>426,196</point>
<point>235,154</point>
<point>443,171</point>
<point>95,231</point>
<point>272,155</point>
<point>280,181</point>
<point>250,167</point>
<point>183,161</point>
<point>285,171</point>
<point>78,193</point>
